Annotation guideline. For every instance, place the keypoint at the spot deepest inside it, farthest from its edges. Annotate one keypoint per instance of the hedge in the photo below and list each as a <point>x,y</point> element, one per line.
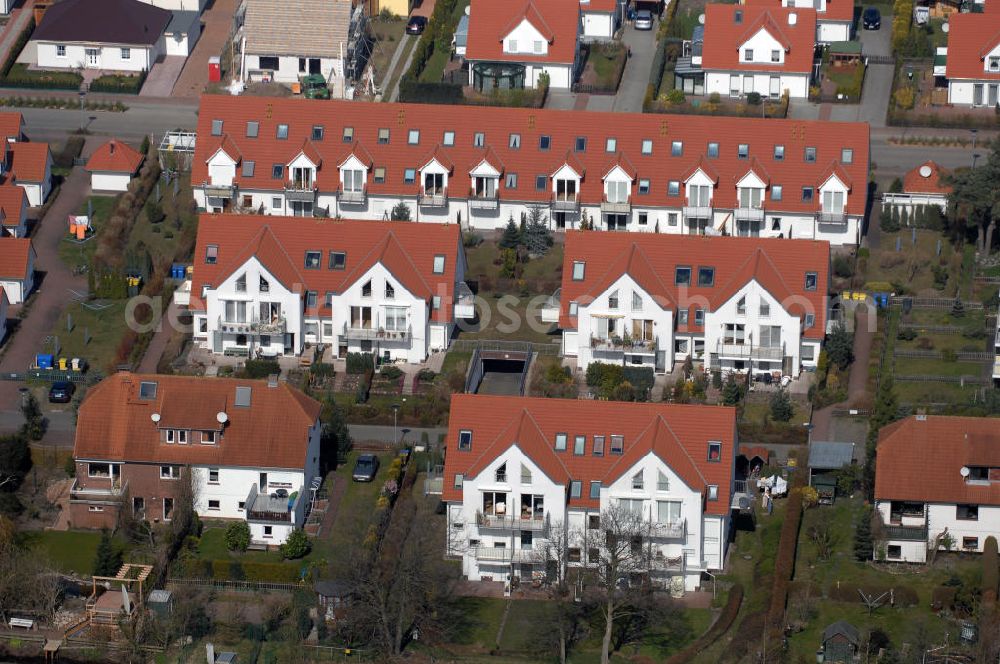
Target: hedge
<point>715,632</point>
<point>20,76</point>
<point>991,573</point>
<point>784,564</point>
<point>256,571</point>
<point>119,84</point>
<point>412,90</point>
<point>359,363</point>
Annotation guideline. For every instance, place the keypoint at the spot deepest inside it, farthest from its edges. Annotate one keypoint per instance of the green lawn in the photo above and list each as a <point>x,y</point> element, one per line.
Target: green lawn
<point>483,616</point>
<point>923,393</point>
<point>357,506</point>
<point>74,253</point>
<point>68,550</point>
<point>387,36</point>
<point>909,270</point>
<point>105,329</point>
<point>455,361</point>
<point>929,366</point>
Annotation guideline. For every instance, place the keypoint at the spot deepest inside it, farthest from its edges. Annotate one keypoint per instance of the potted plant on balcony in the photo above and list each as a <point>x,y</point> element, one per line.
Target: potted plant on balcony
<point>616,340</point>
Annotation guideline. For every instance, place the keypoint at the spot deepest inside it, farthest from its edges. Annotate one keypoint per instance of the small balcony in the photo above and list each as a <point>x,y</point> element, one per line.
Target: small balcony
<point>358,331</point>
<point>502,554</point>
<point>352,196</point>
<point>832,218</point>
<point>537,523</point>
<point>302,191</point>
<point>433,198</point>
<point>111,493</point>
<point>749,214</point>
<point>661,563</point>
<point>673,530</point>
<point>734,351</point>
<point>623,345</point>
<point>550,310</point>
<point>697,212</point>
<point>276,325</point>
<point>566,203</point>
<point>219,190</point>
<point>273,508</point>
<point>615,207</point>
<point>482,200</point>
<point>906,533</point>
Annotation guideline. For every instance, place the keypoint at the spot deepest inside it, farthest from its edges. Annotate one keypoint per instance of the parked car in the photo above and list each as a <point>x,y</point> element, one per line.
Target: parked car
<point>872,18</point>
<point>644,20</point>
<point>61,391</point>
<point>365,468</point>
<point>416,25</point>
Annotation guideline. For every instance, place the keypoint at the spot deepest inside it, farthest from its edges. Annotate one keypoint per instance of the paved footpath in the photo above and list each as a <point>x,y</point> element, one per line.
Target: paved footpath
<point>857,381</point>
<point>159,341</point>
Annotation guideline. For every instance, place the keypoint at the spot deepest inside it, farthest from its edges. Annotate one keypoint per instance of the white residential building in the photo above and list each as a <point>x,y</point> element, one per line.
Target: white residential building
<point>926,185</point>
<point>525,477</point>
<point>601,18</point>
<point>17,268</point>
<point>267,286</point>
<point>478,166</point>
<point>956,509</point>
<point>249,448</point>
<point>834,18</point>
<point>972,59</point>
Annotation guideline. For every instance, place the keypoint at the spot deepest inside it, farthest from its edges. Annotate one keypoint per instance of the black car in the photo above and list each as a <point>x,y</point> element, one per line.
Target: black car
<point>61,392</point>
<point>365,468</point>
<point>416,25</point>
<point>872,19</point>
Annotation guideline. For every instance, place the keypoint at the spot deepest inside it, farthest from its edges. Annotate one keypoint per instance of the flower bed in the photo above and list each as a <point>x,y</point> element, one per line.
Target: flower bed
<point>388,386</point>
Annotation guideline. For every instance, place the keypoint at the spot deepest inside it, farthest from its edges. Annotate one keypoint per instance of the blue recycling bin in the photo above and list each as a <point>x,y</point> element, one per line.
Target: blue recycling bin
<point>44,361</point>
<point>177,271</point>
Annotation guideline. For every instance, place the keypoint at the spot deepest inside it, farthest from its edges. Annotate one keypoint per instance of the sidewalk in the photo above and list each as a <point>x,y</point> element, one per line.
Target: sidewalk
<point>15,25</point>
<point>159,341</point>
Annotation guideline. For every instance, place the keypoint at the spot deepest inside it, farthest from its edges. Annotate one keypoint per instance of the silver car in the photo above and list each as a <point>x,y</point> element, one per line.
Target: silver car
<point>644,20</point>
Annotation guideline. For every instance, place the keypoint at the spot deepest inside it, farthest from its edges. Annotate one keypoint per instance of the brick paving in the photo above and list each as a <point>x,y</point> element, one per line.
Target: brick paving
<point>217,22</point>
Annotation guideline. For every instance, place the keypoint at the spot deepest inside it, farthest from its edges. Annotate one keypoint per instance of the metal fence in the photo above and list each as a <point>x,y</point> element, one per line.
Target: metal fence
<point>933,378</point>
<point>933,302</point>
<point>963,356</point>
<point>470,345</point>
<point>243,586</point>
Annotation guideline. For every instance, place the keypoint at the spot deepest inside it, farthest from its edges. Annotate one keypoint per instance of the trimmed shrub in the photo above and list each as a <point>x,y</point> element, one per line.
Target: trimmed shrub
<point>260,368</point>
<point>238,536</point>
<point>20,76</point>
<point>391,372</point>
<point>296,546</point>
<point>784,564</point>
<point>119,84</point>
<point>359,363</point>
<point>991,571</point>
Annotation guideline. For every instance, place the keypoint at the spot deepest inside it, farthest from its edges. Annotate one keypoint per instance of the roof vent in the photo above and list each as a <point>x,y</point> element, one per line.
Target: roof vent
<point>242,397</point>
<point>111,146</point>
<point>793,18</point>
<point>272,380</point>
<point>925,171</point>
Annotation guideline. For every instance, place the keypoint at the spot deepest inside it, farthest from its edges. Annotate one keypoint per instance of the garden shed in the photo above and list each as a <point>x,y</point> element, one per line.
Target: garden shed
<point>825,459</point>
<point>840,642</point>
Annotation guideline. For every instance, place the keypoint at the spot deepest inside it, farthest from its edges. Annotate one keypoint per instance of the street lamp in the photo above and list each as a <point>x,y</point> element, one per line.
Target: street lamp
<point>975,158</point>
<point>395,412</point>
<point>974,132</point>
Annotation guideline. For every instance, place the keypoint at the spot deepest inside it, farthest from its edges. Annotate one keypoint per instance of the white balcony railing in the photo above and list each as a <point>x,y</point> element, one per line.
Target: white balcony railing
<point>114,491</point>
<point>836,218</point>
<point>663,563</point>
<point>482,200</point>
<point>512,522</point>
<point>749,214</point>
<point>300,190</point>
<point>623,345</point>
<point>672,530</point>
<point>363,333</point>
<point>276,325</point>
<point>566,202</point>
<point>616,207</point>
<point>352,196</point>
<point>749,351</point>
<point>433,197</point>
<point>219,190</point>
<point>697,212</point>
<point>502,554</point>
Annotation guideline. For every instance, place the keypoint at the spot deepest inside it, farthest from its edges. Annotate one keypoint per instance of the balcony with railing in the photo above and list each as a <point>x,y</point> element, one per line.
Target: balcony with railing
<point>361,332</point>
<point>300,191</point>
<point>352,196</point>
<point>503,554</point>
<point>905,533</point>
<point>275,325</point>
<point>566,202</point>
<point>272,508</point>
<point>832,218</point>
<point>219,190</point>
<point>749,214</point>
<point>536,523</point>
<point>697,211</point>
<point>111,493</point>
<point>616,207</point>
<point>671,530</point>
<point>433,197</point>
<point>484,200</point>
<point>662,563</point>
<point>550,310</point>
<point>623,345</point>
<point>747,351</point>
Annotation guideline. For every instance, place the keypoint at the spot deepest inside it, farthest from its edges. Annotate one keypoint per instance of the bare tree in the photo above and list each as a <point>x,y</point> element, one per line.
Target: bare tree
<point>27,581</point>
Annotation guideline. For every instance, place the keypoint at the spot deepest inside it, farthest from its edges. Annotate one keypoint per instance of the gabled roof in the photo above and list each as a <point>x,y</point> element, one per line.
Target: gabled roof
<point>115,156</point>
<point>703,166</point>
<point>225,144</point>
<point>915,182</point>
<point>558,22</point>
<point>561,129</point>
<point>970,38</point>
<point>677,434</point>
<point>114,422</point>
<point>757,169</point>
<point>725,37</point>
<point>13,201</point>
<point>920,459</point>
<point>15,256</point>
<point>835,169</point>
<point>573,161</point>
<point>842,627</point>
<point>28,161</point>
<point>489,156</point>
<point>836,11</point>
<point>317,28</point>
<point>359,152</point>
<point>311,153</point>
<point>11,125</point>
<point>778,265</point>
<point>405,249</point>
<point>103,21</point>
<point>622,162</point>
<point>439,155</point>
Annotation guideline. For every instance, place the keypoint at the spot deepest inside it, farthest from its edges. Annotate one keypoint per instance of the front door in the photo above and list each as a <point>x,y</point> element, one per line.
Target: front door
<point>992,97</point>
<point>977,94</point>
<point>93,57</point>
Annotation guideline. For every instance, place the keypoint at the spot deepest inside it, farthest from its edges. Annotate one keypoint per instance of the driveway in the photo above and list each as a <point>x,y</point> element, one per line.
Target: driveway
<point>632,89</point>
<point>217,21</point>
<point>161,78</point>
<point>878,81</point>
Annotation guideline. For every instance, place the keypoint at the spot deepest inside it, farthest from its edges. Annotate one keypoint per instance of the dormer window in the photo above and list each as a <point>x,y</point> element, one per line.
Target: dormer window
<point>501,473</point>
<point>994,63</point>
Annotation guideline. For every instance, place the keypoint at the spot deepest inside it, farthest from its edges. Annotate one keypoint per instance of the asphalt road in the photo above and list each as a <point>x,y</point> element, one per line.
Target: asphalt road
<point>141,119</point>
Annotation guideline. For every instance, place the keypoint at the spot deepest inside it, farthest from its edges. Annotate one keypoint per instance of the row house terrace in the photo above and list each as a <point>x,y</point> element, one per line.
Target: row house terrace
<point>533,484</point>
<point>478,166</point>
<point>651,300</point>
<point>265,286</point>
<point>248,448</point>
<point>834,18</point>
<point>937,486</point>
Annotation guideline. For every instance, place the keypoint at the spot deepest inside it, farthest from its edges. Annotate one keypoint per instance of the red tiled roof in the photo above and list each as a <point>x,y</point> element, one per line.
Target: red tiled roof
<point>755,451</point>
<point>836,10</point>
<point>558,21</point>
<point>678,434</point>
<point>11,124</point>
<point>13,202</point>
<point>115,156</point>
<point>914,182</point>
<point>562,128</point>
<point>114,422</point>
<point>922,460</point>
<point>28,161</point>
<point>651,259</point>
<point>15,254</point>
<point>970,38</point>
<point>406,249</point>
<point>595,6</point>
<point>724,37</point>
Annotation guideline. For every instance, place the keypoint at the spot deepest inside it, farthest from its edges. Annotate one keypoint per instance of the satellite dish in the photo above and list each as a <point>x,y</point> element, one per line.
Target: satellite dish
<point>468,9</point>
<point>701,19</point>
<point>964,471</point>
<point>222,417</point>
<point>945,28</point>
<point>925,171</point>
<point>155,417</point>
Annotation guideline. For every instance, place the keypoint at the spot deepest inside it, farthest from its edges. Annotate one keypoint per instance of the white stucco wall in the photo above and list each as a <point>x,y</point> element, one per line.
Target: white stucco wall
<point>598,25</point>
<point>110,57</point>
<point>288,67</point>
<point>797,85</point>
<point>103,181</point>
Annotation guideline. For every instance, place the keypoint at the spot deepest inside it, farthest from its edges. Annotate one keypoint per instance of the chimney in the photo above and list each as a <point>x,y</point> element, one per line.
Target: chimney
<point>111,146</point>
